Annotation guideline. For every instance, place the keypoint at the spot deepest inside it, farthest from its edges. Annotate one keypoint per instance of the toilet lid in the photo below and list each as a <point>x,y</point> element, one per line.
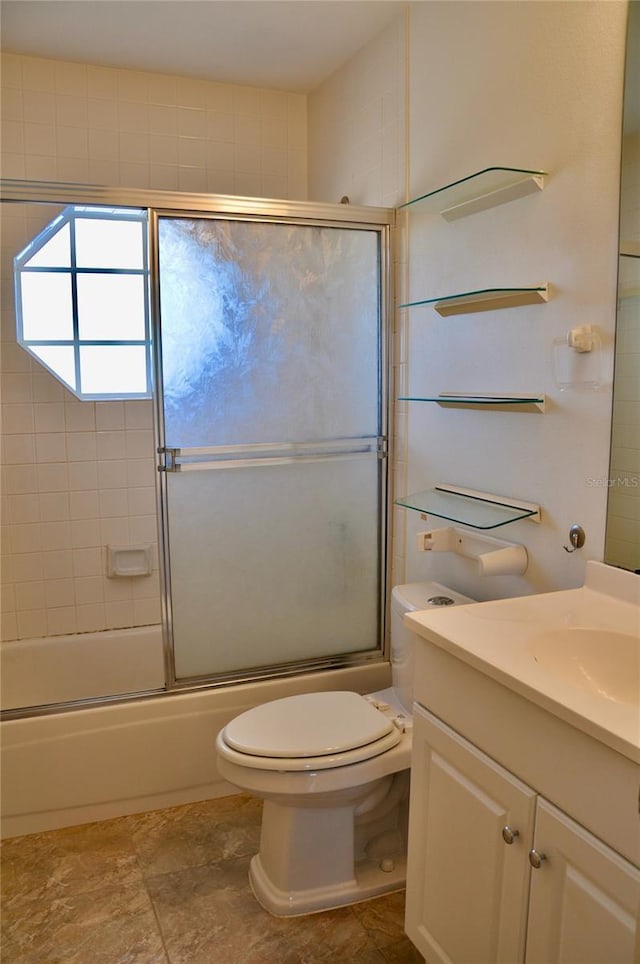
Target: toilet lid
<point>311,725</point>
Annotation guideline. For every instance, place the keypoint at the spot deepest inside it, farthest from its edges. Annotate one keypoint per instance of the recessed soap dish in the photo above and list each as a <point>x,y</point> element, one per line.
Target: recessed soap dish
<point>127,561</point>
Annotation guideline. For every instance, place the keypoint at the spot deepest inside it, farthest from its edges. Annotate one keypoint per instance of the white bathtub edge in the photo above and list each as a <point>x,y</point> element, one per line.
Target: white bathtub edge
<point>110,761</point>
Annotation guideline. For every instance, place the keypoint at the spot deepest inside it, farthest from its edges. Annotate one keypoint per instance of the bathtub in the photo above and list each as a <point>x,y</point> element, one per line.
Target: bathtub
<point>97,762</point>
<point>60,669</point>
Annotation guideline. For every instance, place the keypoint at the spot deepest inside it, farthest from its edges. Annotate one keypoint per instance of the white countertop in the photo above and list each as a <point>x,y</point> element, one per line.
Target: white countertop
<point>496,638</point>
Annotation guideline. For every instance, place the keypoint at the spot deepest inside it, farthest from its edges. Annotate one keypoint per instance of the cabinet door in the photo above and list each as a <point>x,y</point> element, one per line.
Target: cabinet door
<point>584,897</point>
<point>467,890</point>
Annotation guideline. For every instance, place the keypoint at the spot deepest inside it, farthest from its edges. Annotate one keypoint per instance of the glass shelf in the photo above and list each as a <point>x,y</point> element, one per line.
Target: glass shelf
<point>453,398</point>
<point>485,299</point>
<point>471,510</point>
<point>479,191</point>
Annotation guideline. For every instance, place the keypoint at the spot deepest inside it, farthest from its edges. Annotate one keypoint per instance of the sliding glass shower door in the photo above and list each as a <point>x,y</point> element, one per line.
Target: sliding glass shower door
<point>271,377</point>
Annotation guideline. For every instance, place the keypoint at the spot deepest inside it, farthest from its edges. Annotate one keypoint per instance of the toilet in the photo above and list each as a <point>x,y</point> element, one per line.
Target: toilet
<point>333,771</point>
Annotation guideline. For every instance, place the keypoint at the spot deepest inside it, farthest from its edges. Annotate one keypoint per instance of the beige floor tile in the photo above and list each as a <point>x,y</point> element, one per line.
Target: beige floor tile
<point>170,840</point>
<point>172,887</point>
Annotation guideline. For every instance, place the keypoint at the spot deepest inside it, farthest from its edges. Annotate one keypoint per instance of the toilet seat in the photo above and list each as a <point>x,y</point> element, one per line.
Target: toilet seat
<point>309,732</point>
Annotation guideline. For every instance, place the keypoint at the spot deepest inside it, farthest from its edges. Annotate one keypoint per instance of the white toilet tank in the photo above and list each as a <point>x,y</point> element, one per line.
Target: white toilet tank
<point>408,598</point>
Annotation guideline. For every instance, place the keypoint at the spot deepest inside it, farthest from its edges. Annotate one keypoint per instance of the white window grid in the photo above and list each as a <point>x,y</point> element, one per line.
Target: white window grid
<point>70,216</point>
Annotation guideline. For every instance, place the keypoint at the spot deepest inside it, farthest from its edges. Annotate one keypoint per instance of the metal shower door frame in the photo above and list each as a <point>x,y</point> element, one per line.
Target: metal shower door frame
<point>286,213</point>
<point>163,203</point>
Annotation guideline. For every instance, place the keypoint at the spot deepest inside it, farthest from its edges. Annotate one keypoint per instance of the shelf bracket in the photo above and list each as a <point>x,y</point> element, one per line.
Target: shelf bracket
<point>491,299</point>
<point>528,185</point>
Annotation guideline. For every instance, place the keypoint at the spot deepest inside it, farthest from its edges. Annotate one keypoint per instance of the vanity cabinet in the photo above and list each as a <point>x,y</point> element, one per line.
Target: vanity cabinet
<point>473,894</point>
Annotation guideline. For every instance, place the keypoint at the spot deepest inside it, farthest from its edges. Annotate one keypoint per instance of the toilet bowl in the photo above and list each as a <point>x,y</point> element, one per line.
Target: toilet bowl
<point>333,771</point>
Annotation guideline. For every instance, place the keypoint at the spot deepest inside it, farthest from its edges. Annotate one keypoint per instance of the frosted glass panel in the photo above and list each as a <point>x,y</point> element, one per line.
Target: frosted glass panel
<point>270,332</point>
<point>47,312</point>
<point>112,369</point>
<point>111,307</point>
<point>270,336</point>
<point>273,565</point>
<point>109,244</point>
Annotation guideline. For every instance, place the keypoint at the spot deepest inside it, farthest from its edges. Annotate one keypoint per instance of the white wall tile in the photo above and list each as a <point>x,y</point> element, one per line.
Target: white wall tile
<point>71,78</point>
<point>12,70</point>
<point>112,474</point>
<point>102,114</point>
<point>56,535</point>
<point>85,534</point>
<point>29,595</point>
<point>109,415</point>
<point>37,73</point>
<point>61,621</point>
<point>49,417</point>
<point>8,625</point>
<point>25,538</point>
<point>84,122</point>
<point>88,561</point>
<point>110,445</point>
<point>40,139</point>
<point>53,477</point>
<point>32,624</point>
<point>81,446</point>
<point>146,612</point>
<point>57,564</point>
<point>89,589</point>
<point>12,103</point>
<point>27,566</point>
<point>80,417</point>
<point>91,618</point>
<point>59,592</point>
<point>114,502</point>
<point>137,414</point>
<point>82,476</point>
<point>17,419</point>
<point>53,506</point>
<point>102,82</point>
<point>19,478</point>
<point>23,508</point>
<point>84,505</point>
<point>119,614</point>
<point>18,449</point>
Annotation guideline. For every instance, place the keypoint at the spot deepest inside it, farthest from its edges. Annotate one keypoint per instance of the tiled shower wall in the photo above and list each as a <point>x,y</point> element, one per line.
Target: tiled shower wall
<point>88,124</point>
<point>78,476</point>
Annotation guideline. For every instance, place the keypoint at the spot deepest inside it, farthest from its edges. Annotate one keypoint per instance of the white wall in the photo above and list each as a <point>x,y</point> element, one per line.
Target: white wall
<point>533,85</point>
<point>516,84</point>
<point>77,476</point>
<point>356,126</point>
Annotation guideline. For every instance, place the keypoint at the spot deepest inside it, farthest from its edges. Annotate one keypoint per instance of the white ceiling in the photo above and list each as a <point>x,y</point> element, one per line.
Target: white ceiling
<point>288,45</point>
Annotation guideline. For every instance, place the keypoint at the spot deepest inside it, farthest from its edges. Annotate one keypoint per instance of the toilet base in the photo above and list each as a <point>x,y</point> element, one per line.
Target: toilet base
<point>370,881</point>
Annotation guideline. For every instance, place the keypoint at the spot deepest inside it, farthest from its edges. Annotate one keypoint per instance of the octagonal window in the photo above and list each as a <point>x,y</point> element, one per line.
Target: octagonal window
<point>82,301</point>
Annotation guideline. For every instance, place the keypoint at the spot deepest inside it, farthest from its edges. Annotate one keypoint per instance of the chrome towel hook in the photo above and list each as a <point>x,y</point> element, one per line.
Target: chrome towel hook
<point>576,538</point>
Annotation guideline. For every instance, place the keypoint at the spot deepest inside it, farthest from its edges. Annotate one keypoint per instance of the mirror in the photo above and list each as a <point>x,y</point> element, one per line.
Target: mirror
<point>622,547</point>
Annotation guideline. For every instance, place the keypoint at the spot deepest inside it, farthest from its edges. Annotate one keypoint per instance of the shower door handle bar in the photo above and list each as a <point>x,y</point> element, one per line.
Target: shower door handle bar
<point>268,453</point>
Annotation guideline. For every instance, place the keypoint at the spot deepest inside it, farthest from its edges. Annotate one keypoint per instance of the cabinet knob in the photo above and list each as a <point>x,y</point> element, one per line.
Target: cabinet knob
<point>509,835</point>
<point>535,859</point>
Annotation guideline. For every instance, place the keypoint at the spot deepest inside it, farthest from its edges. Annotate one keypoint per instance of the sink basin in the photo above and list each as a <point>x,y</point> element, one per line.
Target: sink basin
<point>601,661</point>
<point>573,652</point>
